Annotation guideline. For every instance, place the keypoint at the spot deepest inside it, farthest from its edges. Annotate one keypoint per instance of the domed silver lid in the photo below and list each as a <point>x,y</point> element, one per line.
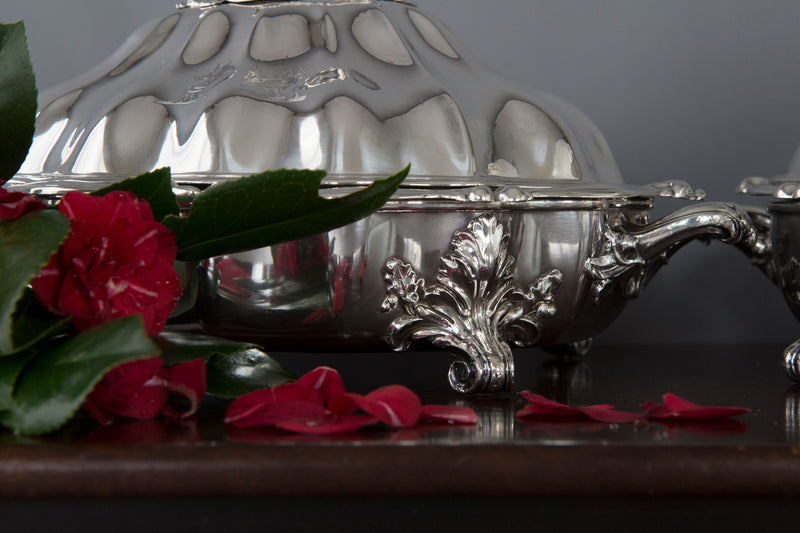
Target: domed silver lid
<point>359,88</point>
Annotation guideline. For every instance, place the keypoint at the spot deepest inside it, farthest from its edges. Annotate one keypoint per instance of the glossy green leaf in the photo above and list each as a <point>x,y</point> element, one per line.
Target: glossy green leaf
<point>155,187</point>
<point>232,368</point>
<point>54,384</point>
<point>17,99</point>
<point>27,244</point>
<point>269,208</point>
<point>33,323</point>
<point>10,368</point>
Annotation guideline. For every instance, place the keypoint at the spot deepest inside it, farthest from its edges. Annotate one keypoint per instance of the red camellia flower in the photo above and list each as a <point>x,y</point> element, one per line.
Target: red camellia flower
<point>15,204</point>
<point>117,261</point>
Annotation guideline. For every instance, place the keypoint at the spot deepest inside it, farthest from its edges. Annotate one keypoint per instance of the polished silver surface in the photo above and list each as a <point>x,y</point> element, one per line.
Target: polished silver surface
<point>474,307</point>
<point>359,88</point>
<point>778,227</point>
<point>458,288</point>
<point>512,193</point>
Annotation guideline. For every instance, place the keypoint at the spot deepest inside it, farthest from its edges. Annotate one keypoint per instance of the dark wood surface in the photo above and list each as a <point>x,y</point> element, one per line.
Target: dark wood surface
<point>748,463</point>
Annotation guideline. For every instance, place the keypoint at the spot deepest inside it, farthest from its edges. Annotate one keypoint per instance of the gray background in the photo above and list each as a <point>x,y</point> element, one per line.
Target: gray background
<point>703,91</point>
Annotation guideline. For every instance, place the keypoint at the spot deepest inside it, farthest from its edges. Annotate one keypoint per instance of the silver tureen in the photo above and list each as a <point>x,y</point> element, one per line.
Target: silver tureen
<point>779,227</point>
<point>514,226</point>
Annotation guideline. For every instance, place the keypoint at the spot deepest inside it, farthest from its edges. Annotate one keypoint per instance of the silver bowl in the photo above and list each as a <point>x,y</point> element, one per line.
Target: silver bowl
<point>514,226</point>
<point>779,229</point>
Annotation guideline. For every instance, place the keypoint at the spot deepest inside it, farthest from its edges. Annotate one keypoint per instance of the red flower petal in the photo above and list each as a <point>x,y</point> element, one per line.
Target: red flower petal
<point>249,404</point>
<point>681,408</point>
<point>602,413</point>
<point>189,380</point>
<point>287,412</point>
<point>541,406</point>
<point>344,424</point>
<point>326,380</point>
<point>394,405</point>
<point>448,413</point>
<point>116,261</point>
<point>132,390</point>
<point>15,204</point>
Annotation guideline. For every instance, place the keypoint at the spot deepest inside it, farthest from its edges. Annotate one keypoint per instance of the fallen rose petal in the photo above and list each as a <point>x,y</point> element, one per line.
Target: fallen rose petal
<point>344,404</point>
<point>189,380</point>
<point>289,411</point>
<point>682,408</point>
<point>656,410</point>
<point>326,380</point>
<point>248,404</point>
<point>544,407</point>
<point>345,424</point>
<point>557,411</point>
<point>394,405</point>
<point>602,413</point>
<point>448,413</point>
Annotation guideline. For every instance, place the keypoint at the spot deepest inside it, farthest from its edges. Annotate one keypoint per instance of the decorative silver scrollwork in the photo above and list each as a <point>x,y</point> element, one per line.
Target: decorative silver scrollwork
<point>619,254</point>
<point>474,307</point>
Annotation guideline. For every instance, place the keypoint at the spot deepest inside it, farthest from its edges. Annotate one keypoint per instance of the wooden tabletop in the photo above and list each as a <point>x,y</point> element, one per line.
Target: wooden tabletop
<point>749,457</point>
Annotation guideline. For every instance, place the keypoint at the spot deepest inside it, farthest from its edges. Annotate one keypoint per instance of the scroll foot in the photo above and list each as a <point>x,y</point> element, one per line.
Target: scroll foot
<point>791,360</point>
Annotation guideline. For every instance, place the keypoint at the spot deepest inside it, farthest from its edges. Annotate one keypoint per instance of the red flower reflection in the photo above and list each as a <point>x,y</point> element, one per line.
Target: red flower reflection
<point>674,408</point>
<point>677,407</point>
<point>117,261</point>
<point>15,204</point>
<point>541,406</point>
<point>140,390</point>
<point>317,403</point>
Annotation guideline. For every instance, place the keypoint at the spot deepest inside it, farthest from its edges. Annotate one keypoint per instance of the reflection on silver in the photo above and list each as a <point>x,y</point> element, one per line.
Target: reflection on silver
<point>473,308</point>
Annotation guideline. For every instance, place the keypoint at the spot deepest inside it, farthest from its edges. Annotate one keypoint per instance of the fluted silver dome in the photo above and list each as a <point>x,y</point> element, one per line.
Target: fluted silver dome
<point>356,87</point>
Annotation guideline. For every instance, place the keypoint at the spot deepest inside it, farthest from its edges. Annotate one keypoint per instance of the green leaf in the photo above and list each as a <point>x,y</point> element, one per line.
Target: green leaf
<point>10,368</point>
<point>54,384</point>
<point>155,187</point>
<point>17,99</point>
<point>27,244</point>
<point>33,323</point>
<point>232,368</point>
<point>269,208</point>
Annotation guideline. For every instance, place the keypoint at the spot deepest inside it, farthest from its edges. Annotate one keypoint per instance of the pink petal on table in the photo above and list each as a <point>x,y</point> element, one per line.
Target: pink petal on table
<point>290,411</point>
<point>544,407</point>
<point>326,380</point>
<point>533,409</point>
<point>656,410</point>
<point>189,380</point>
<point>394,405</point>
<point>602,413</point>
<point>448,413</point>
<point>541,401</point>
<point>345,424</point>
<point>248,404</point>
<point>344,404</point>
<point>682,408</point>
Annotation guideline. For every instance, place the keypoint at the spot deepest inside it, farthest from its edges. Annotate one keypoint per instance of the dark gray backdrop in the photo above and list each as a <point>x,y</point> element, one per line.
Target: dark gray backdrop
<point>702,91</point>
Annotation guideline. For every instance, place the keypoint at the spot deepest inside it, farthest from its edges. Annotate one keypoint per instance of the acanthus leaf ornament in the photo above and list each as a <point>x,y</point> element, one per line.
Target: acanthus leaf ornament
<point>474,308</point>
